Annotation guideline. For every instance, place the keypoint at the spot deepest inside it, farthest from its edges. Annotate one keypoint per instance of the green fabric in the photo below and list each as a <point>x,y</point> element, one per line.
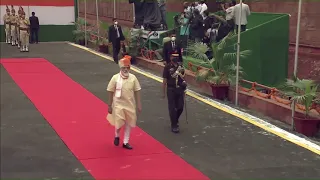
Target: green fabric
<point>184,30</point>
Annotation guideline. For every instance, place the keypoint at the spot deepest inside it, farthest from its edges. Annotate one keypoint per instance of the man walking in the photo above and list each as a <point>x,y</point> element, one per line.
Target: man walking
<point>7,23</point>
<point>124,100</point>
<point>24,32</point>
<point>115,37</point>
<point>174,86</point>
<point>34,27</point>
<point>244,15</point>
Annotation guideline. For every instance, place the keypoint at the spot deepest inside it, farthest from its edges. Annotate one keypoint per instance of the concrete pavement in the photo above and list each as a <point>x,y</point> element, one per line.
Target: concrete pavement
<point>218,144</point>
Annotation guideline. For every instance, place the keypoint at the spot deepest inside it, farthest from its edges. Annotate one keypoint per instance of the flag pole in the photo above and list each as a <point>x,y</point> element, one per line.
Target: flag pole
<point>98,24</point>
<point>238,55</point>
<point>293,105</point>
<point>85,23</point>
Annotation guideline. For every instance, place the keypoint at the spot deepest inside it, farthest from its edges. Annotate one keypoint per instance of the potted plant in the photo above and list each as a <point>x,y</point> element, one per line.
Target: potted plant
<point>134,44</point>
<point>222,71</point>
<point>79,32</point>
<point>304,92</point>
<point>103,45</point>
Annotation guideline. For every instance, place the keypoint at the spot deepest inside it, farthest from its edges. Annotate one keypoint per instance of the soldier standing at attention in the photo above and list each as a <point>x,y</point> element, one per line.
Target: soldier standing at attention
<point>13,20</point>
<point>7,22</point>
<point>18,26</point>
<point>24,24</point>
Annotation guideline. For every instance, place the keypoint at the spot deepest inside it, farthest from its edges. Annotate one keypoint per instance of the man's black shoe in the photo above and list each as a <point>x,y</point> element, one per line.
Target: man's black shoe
<point>116,141</point>
<point>127,146</point>
<point>175,130</point>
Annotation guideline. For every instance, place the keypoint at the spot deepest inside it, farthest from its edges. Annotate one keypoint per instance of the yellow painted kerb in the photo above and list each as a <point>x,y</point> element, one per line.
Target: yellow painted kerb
<point>229,111</point>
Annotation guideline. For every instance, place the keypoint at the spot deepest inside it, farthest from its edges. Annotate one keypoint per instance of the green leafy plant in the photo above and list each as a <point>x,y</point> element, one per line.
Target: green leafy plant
<point>79,32</point>
<point>197,50</point>
<point>219,73</point>
<point>303,91</point>
<point>135,43</point>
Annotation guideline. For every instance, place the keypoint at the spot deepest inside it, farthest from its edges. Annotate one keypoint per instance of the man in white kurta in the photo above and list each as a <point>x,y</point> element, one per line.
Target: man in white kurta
<point>124,101</point>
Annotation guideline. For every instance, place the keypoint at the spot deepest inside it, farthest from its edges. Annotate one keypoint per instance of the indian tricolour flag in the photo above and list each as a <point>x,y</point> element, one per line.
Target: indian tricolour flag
<point>55,17</point>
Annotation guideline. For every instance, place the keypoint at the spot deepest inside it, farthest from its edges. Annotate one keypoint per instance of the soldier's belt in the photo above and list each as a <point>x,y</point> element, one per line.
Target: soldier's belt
<point>24,29</point>
<point>8,23</point>
<point>13,24</point>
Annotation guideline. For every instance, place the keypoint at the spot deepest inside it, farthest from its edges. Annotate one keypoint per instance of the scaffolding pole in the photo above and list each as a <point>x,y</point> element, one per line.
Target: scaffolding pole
<point>85,23</point>
<point>98,24</point>
<point>295,70</point>
<point>238,55</point>
<point>114,8</point>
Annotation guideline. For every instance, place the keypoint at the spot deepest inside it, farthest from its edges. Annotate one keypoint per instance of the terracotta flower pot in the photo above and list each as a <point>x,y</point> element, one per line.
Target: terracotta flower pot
<point>220,91</point>
<point>81,42</point>
<point>307,126</point>
<point>104,49</point>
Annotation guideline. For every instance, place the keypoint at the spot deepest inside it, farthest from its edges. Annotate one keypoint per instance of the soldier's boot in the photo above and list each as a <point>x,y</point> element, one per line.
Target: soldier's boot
<point>9,40</point>
<point>18,45</point>
<point>22,49</point>
<point>27,49</point>
<point>13,43</point>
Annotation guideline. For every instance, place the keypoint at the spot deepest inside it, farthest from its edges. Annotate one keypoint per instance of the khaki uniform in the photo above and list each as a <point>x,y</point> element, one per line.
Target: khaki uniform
<point>24,33</point>
<point>7,22</point>
<point>14,20</point>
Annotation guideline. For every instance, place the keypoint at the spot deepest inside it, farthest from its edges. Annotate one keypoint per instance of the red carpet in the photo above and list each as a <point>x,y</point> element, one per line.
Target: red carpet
<point>78,117</point>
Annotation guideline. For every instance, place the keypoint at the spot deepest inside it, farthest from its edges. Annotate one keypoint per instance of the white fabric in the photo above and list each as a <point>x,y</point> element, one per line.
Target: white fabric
<point>230,13</point>
<point>119,87</point>
<point>127,130</point>
<point>245,13</point>
<point>204,7</point>
<point>199,7</point>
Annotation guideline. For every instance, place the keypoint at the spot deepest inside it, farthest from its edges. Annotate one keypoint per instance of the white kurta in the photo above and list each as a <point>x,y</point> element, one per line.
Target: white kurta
<point>124,108</point>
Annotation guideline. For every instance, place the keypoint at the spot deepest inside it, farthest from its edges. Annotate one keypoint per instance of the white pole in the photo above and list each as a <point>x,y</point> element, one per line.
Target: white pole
<point>238,54</point>
<point>98,24</point>
<point>85,23</point>
<point>293,105</point>
<point>114,8</point>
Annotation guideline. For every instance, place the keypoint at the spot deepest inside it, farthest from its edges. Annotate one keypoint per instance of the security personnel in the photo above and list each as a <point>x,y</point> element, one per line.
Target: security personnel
<point>174,86</point>
<point>24,24</point>
<point>13,20</point>
<point>7,22</point>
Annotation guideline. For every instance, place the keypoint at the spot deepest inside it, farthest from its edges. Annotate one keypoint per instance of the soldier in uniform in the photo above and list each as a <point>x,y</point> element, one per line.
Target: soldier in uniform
<point>7,22</point>
<point>174,86</point>
<point>18,26</point>
<point>13,20</point>
<point>24,28</point>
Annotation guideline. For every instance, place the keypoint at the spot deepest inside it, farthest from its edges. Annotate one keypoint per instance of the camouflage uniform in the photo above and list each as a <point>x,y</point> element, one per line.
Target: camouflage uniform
<point>14,20</point>
<point>24,25</point>
<point>7,22</point>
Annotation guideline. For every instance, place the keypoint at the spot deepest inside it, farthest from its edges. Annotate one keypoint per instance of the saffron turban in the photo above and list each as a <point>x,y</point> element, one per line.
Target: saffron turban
<point>125,61</point>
